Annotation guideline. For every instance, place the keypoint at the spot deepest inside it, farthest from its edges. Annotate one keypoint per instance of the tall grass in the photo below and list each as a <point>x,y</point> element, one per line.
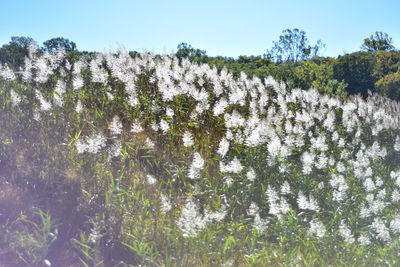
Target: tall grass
<point>158,161</point>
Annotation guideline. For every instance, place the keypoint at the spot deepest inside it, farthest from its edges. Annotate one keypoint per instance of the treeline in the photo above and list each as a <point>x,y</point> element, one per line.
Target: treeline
<point>375,68</point>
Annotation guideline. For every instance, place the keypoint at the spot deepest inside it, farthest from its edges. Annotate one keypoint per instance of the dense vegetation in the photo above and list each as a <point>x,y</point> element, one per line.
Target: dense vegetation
<point>132,159</point>
<point>375,68</point>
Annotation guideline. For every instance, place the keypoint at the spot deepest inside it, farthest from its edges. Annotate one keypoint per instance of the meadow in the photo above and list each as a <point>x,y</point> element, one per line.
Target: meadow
<point>152,160</point>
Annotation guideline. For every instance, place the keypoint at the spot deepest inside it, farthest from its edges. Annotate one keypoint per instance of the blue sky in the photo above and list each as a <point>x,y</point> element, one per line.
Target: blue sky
<point>227,28</point>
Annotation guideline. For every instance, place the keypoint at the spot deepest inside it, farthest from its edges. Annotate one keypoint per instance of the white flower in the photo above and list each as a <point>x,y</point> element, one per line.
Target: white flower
<point>381,230</point>
<point>164,126</point>
<point>149,143</point>
<point>7,73</point>
<point>165,203</point>
<point>196,167</point>
<point>397,144</point>
<point>220,107</point>
<point>78,107</point>
<point>136,127</point>
<point>317,228</point>
<point>44,105</point>
<point>395,224</point>
<point>285,188</point>
<point>364,240</point>
<point>345,232</point>
<point>115,126</point>
<point>115,150</point>
<point>15,98</point>
<point>151,179</point>
<point>187,139</point>
<point>92,144</point>
<point>223,147</point>
<point>307,204</point>
<point>169,112</point>
<point>191,220</point>
<point>232,167</point>
<point>251,175</point>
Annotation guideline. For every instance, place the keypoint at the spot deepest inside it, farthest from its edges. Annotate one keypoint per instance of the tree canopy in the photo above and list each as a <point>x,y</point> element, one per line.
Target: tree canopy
<point>379,41</point>
<point>293,46</point>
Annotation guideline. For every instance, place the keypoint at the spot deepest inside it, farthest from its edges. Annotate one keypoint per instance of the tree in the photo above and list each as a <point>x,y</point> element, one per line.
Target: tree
<point>357,71</point>
<point>187,51</point>
<point>389,85</point>
<point>59,42</point>
<point>293,46</point>
<point>386,62</point>
<point>379,41</point>
<point>15,51</point>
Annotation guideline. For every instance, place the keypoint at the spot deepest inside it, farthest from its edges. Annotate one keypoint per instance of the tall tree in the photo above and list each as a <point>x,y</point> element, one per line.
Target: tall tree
<point>293,46</point>
<point>15,51</point>
<point>379,41</point>
<point>59,42</point>
<point>187,51</point>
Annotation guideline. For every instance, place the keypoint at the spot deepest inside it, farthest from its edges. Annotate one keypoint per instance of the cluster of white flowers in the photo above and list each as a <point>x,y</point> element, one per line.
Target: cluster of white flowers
<point>92,144</point>
<point>115,126</point>
<point>317,228</point>
<point>233,166</point>
<point>187,139</point>
<point>255,113</point>
<point>305,203</point>
<point>191,220</point>
<point>196,167</point>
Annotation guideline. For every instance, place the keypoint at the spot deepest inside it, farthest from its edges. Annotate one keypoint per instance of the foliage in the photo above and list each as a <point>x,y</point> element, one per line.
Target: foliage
<point>155,160</point>
<point>389,85</point>
<point>15,51</point>
<point>187,51</point>
<point>357,71</point>
<point>293,46</point>
<point>379,41</point>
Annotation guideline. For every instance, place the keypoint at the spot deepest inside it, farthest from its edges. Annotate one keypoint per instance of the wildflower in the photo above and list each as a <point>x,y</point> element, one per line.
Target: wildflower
<point>151,179</point>
<point>92,144</point>
<point>251,175</point>
<point>187,139</point>
<point>149,143</point>
<point>78,107</point>
<point>285,188</point>
<point>191,221</point>
<point>15,99</point>
<point>164,126</point>
<point>220,107</point>
<point>44,105</point>
<point>115,150</point>
<point>115,126</point>
<point>395,195</point>
<point>308,160</point>
<point>364,240</point>
<point>397,144</point>
<point>136,127</point>
<point>169,112</point>
<point>228,181</point>
<point>307,204</point>
<point>395,224</point>
<point>345,232</point>
<point>233,167</point>
<point>196,167</point>
<point>59,91</point>
<point>317,228</point>
<point>77,82</point>
<point>381,230</point>
<point>165,203</point>
<point>223,147</point>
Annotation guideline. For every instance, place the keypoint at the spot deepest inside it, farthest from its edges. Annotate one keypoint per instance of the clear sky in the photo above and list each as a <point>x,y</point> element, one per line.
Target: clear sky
<point>221,27</point>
